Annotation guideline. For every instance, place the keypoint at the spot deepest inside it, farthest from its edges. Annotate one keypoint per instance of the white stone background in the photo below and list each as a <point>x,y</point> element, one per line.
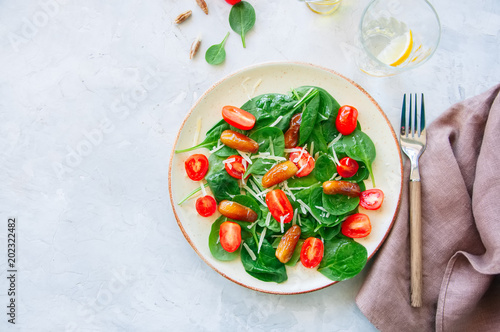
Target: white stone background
<point>92,94</point>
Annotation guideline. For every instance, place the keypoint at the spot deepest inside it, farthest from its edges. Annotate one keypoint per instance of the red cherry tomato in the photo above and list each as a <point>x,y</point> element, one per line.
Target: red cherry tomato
<point>304,162</point>
<point>371,199</point>
<point>238,118</point>
<point>347,167</point>
<point>279,205</point>
<point>206,206</point>
<point>356,226</point>
<point>347,119</point>
<point>311,253</point>
<point>196,167</point>
<point>236,166</point>
<point>233,2</point>
<point>230,236</point>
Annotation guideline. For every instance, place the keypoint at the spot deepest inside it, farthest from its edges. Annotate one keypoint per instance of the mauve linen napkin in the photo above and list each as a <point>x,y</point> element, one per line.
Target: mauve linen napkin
<point>460,171</point>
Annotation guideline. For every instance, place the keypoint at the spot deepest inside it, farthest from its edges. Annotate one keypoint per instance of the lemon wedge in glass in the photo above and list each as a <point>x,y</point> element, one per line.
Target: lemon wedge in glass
<point>398,50</point>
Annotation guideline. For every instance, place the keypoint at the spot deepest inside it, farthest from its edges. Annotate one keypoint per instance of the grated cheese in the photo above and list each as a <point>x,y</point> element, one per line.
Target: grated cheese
<point>308,209</point>
<point>298,219</point>
<point>294,220</point>
<point>304,97</point>
<point>203,191</point>
<point>254,195</point>
<point>250,252</point>
<point>287,189</point>
<point>261,240</point>
<point>218,147</point>
<point>293,150</point>
<point>251,225</point>
<point>335,140</point>
<point>197,133</point>
<point>245,156</point>
<point>277,121</point>
<point>335,159</point>
<point>268,156</point>
<point>268,219</point>
<point>333,176</point>
<point>256,85</point>
<point>311,150</point>
<point>282,222</point>
<point>296,160</point>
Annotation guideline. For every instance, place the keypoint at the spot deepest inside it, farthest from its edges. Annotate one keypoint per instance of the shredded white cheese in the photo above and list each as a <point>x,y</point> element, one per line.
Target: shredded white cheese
<point>218,147</point>
<point>296,160</point>
<point>311,150</point>
<point>203,191</point>
<point>307,93</point>
<point>261,240</point>
<point>294,220</point>
<point>293,150</point>
<point>251,225</point>
<point>298,219</point>
<point>277,121</point>
<point>197,133</point>
<point>245,156</point>
<point>250,252</point>
<point>333,176</point>
<point>268,219</point>
<point>335,140</point>
<point>254,195</point>
<point>335,159</point>
<point>308,209</point>
<point>282,222</point>
<point>268,156</point>
<point>284,184</point>
<point>321,208</point>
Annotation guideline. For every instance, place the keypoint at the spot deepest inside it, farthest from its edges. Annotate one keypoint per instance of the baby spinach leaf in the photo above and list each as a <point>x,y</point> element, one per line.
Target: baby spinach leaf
<point>318,139</point>
<point>308,122</point>
<point>343,259</point>
<point>361,175</point>
<point>249,202</point>
<point>223,185</point>
<point>316,203</point>
<point>242,19</point>
<point>360,147</point>
<point>266,267</point>
<point>328,233</point>
<point>214,244</point>
<point>225,152</point>
<point>267,108</point>
<point>273,226</point>
<point>328,106</point>
<point>308,225</point>
<point>324,168</point>
<point>339,204</point>
<point>216,54</point>
<point>265,137</point>
<point>211,138</point>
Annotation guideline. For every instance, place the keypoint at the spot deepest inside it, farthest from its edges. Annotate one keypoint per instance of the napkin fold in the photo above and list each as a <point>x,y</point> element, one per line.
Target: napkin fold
<point>460,227</point>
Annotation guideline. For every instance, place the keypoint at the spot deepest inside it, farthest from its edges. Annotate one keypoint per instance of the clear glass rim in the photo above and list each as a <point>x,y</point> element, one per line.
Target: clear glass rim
<point>396,70</point>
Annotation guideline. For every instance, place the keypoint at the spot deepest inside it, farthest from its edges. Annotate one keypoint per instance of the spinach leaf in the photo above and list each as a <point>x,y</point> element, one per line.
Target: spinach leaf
<point>361,175</point>
<point>212,137</point>
<point>249,202</point>
<point>318,139</point>
<point>223,185</point>
<point>308,122</point>
<point>267,108</point>
<point>242,19</point>
<point>307,226</point>
<point>216,54</point>
<point>343,259</point>
<point>303,182</point>
<point>316,204</point>
<point>266,267</point>
<point>324,168</point>
<point>360,147</point>
<point>339,204</point>
<point>328,233</point>
<point>266,137</point>
<point>328,106</point>
<point>225,152</point>
<point>273,226</point>
<point>214,244</point>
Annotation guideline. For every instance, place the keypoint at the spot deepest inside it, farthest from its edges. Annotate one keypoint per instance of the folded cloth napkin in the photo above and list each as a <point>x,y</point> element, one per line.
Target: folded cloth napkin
<point>460,227</point>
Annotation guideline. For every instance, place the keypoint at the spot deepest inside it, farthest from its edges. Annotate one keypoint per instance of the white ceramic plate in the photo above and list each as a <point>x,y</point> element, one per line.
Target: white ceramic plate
<point>235,90</point>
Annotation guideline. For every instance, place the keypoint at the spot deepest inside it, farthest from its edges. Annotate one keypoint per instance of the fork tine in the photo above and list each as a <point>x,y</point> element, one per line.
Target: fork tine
<point>415,129</point>
<point>422,114</point>
<point>403,117</point>
<point>410,122</point>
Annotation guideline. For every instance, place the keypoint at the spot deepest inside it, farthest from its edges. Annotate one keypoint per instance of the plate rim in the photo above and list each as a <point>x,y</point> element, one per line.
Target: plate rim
<point>251,67</point>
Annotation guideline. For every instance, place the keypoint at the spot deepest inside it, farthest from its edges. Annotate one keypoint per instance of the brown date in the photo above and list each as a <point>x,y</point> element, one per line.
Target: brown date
<point>236,211</point>
<point>287,244</point>
<point>341,187</point>
<point>292,134</point>
<point>238,141</point>
<point>279,173</point>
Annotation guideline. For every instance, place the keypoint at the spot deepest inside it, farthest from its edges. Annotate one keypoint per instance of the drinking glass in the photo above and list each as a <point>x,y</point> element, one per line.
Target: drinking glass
<point>397,35</point>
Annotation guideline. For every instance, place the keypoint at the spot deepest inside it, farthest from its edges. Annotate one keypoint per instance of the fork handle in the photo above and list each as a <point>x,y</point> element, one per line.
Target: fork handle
<point>415,244</point>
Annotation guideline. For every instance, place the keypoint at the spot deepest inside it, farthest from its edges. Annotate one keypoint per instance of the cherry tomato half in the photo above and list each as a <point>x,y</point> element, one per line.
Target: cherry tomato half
<point>279,205</point>
<point>230,236</point>
<point>356,226</point>
<point>238,118</point>
<point>233,2</point>
<point>311,253</point>
<point>347,119</point>
<point>371,199</point>
<point>206,206</point>
<point>304,162</point>
<point>196,167</point>
<point>236,166</point>
<point>347,167</point>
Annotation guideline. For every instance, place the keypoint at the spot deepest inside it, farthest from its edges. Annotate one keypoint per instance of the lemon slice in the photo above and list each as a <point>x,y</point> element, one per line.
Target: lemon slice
<point>398,50</point>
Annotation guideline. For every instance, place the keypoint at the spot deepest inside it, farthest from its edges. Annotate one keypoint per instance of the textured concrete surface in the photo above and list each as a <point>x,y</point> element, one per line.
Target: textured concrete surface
<point>91,97</point>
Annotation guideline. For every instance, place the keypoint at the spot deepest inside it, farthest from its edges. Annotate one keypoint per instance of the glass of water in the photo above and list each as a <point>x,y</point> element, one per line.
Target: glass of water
<point>397,35</point>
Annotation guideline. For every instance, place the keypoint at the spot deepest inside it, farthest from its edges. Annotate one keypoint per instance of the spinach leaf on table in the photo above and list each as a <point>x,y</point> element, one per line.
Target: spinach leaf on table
<point>242,19</point>
<point>216,54</point>
<point>360,147</point>
<point>343,258</point>
<point>266,267</point>
<point>214,244</point>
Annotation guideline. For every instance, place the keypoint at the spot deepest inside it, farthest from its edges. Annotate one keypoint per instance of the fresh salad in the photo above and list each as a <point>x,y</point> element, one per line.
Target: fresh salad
<point>286,173</point>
